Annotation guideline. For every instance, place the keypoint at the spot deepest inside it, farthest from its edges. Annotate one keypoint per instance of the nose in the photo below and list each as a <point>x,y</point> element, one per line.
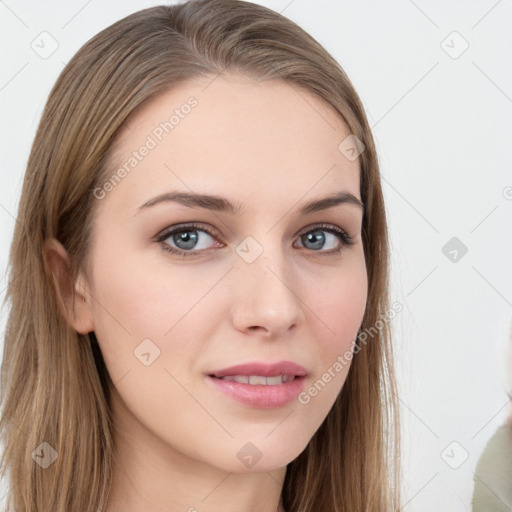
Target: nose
<point>266,300</point>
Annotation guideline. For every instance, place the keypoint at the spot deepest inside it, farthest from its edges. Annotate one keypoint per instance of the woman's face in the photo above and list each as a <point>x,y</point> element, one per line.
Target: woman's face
<point>256,282</point>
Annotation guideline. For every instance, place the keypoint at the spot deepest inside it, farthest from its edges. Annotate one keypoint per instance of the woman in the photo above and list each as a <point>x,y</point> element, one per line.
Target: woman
<point>198,279</point>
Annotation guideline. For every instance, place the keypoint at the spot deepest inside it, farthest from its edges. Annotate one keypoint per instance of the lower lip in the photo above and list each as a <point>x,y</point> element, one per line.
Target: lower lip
<point>260,396</point>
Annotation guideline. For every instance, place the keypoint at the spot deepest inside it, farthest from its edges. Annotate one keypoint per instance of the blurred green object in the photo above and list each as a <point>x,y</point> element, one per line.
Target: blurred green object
<point>493,475</point>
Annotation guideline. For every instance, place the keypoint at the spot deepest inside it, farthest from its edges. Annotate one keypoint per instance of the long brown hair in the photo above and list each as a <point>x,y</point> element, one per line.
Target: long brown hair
<point>55,387</point>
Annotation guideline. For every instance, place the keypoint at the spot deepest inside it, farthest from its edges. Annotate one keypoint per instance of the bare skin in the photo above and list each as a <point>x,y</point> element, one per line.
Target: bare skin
<point>269,148</point>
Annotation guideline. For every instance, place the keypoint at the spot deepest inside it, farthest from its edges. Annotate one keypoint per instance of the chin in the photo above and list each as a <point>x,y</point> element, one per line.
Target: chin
<point>265,454</point>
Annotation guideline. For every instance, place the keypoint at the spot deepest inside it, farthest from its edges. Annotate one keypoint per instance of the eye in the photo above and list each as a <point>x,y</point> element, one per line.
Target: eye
<point>186,238</point>
<point>190,239</point>
<point>316,239</point>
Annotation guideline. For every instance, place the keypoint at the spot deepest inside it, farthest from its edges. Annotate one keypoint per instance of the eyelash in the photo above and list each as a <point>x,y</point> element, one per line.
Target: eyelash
<point>345,239</point>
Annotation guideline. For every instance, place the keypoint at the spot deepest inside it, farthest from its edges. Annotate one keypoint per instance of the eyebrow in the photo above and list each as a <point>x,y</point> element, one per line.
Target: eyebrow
<point>221,204</point>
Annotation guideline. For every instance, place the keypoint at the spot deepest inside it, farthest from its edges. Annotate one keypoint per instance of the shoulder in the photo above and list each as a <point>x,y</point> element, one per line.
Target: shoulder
<point>493,475</point>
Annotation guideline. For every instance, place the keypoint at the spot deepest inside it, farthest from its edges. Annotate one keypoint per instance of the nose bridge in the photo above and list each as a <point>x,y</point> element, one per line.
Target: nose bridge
<point>266,294</point>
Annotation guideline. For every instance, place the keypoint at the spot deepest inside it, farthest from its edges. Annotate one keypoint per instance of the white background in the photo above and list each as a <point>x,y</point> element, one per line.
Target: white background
<point>443,128</point>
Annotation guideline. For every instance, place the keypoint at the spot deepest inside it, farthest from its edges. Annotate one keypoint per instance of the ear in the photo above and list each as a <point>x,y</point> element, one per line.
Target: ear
<point>73,299</point>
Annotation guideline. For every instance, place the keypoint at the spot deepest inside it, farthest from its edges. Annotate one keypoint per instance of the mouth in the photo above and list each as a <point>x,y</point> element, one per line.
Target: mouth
<point>260,385</point>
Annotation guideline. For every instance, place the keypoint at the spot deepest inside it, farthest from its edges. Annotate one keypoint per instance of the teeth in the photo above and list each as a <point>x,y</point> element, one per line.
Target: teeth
<point>255,380</point>
<point>261,380</point>
<point>271,381</point>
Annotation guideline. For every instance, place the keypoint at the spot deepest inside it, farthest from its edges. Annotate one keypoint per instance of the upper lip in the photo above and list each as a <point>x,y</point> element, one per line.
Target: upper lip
<point>262,369</point>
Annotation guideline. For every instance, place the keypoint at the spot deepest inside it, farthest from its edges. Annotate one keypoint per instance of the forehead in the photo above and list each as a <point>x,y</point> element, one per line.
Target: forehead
<point>235,135</point>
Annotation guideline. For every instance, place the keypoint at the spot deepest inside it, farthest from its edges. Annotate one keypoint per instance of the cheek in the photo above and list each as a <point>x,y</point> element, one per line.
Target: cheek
<point>340,305</point>
<point>133,291</point>
<point>343,303</point>
<point>337,313</point>
<point>136,299</point>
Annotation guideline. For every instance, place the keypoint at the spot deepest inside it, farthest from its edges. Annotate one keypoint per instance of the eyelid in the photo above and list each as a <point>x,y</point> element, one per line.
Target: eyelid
<point>183,227</point>
<point>327,227</point>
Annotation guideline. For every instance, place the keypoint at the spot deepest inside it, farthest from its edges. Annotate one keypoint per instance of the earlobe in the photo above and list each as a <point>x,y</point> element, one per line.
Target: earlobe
<point>72,297</point>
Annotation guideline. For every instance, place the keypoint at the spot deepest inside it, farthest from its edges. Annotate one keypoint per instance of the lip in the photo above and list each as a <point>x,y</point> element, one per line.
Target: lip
<point>260,396</point>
